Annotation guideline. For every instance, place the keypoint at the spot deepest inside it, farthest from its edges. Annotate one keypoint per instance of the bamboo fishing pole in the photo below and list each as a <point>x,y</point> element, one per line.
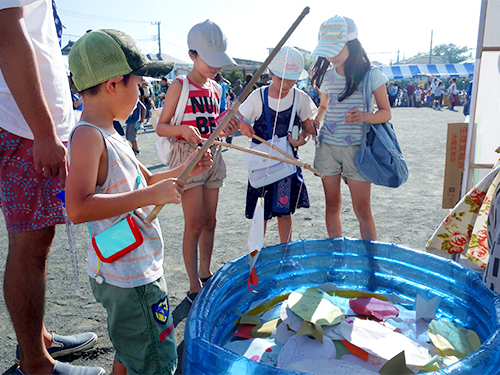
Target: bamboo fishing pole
<point>221,126</point>
<point>289,159</point>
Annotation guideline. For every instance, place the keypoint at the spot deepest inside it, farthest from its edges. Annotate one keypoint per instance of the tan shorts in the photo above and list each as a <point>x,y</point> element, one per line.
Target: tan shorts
<point>332,160</point>
<point>211,179</point>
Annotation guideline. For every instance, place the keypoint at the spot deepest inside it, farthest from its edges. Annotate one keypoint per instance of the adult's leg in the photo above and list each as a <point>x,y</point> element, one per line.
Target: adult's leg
<point>285,228</point>
<point>206,244</point>
<point>193,207</point>
<point>360,195</point>
<point>24,291</point>
<point>333,203</point>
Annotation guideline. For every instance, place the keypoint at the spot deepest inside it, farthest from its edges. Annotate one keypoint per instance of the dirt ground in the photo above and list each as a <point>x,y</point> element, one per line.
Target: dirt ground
<point>406,216</point>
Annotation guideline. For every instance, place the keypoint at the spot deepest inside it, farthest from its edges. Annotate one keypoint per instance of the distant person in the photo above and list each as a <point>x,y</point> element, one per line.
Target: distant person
<point>224,84</point>
<point>248,78</point>
<point>432,88</point>
<point>468,94</point>
<point>452,93</point>
<point>410,90</point>
<point>106,184</point>
<point>207,50</point>
<point>438,95</point>
<point>264,80</point>
<point>37,117</point>
<point>418,97</point>
<point>238,87</point>
<point>341,109</point>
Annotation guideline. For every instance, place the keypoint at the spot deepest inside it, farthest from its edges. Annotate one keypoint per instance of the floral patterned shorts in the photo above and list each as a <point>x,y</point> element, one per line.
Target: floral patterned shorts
<point>28,199</point>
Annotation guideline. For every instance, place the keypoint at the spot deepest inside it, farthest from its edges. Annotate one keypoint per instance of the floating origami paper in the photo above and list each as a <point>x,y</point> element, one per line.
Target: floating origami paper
<point>315,306</point>
<point>426,308</point>
<point>298,348</point>
<point>382,341</point>
<point>244,331</point>
<point>264,350</point>
<point>374,307</point>
<point>452,339</point>
<point>323,366</point>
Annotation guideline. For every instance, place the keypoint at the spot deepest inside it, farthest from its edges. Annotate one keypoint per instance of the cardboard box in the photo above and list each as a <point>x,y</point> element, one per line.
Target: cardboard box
<point>456,142</point>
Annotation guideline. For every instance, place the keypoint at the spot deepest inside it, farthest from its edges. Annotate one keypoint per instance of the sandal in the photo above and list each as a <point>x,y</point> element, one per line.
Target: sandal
<point>191,296</point>
<point>204,280</point>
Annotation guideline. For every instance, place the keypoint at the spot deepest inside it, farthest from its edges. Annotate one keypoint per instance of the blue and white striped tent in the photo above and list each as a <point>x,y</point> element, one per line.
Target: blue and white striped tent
<point>435,70</point>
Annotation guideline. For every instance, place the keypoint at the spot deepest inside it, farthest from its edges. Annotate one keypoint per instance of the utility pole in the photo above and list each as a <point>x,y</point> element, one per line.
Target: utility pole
<point>430,51</point>
<point>159,39</point>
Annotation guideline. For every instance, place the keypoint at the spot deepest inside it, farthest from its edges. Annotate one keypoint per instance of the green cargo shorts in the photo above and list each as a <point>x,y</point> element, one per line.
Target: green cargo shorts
<point>140,325</point>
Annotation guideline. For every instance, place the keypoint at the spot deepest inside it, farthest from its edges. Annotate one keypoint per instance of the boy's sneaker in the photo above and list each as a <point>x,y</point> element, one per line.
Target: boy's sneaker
<point>137,151</point>
<point>61,368</point>
<point>65,345</point>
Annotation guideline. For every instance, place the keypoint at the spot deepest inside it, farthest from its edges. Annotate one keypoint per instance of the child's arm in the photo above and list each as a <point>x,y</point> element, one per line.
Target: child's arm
<point>165,129</point>
<point>383,114</point>
<point>246,129</point>
<point>88,169</point>
<point>323,105</point>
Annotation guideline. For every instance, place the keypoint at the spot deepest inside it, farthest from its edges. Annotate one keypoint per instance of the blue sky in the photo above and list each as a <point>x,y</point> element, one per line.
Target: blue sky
<point>385,26</point>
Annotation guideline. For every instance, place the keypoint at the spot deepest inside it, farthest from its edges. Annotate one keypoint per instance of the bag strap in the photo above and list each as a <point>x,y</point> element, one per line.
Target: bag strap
<point>137,183</point>
<point>265,100</point>
<point>367,97</point>
<point>183,98</point>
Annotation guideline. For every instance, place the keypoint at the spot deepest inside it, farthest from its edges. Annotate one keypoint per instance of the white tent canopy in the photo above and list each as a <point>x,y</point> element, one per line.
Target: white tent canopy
<point>435,70</point>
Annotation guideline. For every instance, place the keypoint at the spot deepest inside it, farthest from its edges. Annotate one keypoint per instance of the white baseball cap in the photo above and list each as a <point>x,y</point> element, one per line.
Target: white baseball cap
<point>209,41</point>
<point>288,64</point>
<point>333,35</point>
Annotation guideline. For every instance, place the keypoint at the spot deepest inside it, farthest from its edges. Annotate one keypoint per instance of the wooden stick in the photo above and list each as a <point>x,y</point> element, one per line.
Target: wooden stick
<point>274,147</point>
<point>288,160</point>
<point>222,125</point>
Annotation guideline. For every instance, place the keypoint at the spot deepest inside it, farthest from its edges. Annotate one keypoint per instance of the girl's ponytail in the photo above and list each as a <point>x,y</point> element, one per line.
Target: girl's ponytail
<point>355,68</point>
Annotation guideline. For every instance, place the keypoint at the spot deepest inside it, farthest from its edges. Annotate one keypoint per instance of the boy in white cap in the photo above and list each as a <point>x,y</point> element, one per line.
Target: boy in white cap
<point>271,109</point>
<point>207,48</point>
<point>106,183</point>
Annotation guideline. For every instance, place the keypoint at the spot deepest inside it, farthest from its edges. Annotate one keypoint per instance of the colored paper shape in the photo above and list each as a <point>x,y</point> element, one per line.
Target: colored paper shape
<point>289,317</point>
<point>382,341</point>
<point>248,319</point>
<point>426,308</point>
<point>373,363</point>
<point>282,333</point>
<point>356,350</point>
<point>315,306</point>
<point>373,307</point>
<point>244,331</point>
<point>308,328</point>
<point>299,347</point>
<point>452,339</point>
<point>265,329</point>
<point>323,366</point>
<point>333,332</point>
<point>396,366</point>
<point>265,350</point>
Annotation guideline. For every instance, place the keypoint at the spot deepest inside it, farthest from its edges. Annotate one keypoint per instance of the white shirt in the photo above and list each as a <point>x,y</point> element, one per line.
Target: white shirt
<point>39,21</point>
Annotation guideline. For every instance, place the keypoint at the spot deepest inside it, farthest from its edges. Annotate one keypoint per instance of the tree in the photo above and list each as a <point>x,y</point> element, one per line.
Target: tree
<point>233,75</point>
<point>451,53</point>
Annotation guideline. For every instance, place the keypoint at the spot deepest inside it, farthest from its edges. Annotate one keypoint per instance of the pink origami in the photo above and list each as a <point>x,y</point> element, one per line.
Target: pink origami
<point>373,307</point>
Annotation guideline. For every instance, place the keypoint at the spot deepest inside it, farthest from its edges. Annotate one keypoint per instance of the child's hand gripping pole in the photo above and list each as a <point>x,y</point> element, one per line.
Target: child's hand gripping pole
<point>222,125</point>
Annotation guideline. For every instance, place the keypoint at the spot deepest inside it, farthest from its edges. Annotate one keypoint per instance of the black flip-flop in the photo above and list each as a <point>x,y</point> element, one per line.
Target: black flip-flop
<point>191,296</point>
<point>204,280</point>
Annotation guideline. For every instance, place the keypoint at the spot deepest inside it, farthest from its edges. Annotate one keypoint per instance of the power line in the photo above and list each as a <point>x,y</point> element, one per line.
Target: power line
<point>71,13</point>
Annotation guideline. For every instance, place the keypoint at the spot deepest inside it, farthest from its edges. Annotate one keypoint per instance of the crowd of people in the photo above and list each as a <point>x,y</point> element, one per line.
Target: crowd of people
<point>110,189</point>
<point>430,94</point>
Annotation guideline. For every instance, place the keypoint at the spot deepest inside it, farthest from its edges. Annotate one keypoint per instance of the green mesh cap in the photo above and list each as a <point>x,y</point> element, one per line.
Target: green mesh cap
<point>101,55</point>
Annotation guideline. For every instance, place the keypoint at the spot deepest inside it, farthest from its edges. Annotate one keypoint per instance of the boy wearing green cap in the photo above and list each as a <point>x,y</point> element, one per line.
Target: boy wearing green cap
<point>106,183</point>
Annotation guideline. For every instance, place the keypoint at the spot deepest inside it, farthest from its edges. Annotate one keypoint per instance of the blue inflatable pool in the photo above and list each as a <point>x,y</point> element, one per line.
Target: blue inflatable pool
<point>350,264</point>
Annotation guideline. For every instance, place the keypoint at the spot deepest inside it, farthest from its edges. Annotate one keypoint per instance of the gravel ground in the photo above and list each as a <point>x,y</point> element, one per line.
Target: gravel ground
<point>406,216</point>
